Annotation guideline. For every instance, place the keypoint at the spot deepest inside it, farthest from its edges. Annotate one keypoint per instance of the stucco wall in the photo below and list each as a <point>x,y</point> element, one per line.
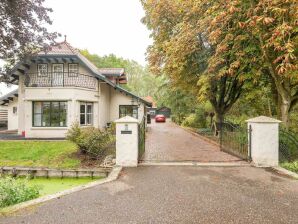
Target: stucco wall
<point>12,117</point>
<point>117,99</point>
<point>73,96</point>
<point>104,105</point>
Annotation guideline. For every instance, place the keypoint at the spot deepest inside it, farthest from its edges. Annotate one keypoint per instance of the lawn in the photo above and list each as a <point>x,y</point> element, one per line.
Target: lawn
<point>51,154</point>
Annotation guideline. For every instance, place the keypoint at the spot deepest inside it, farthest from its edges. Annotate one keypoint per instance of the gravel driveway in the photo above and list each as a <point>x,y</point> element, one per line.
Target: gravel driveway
<point>175,194</point>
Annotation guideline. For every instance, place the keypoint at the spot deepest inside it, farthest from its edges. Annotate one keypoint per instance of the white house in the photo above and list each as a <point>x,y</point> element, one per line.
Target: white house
<point>59,87</point>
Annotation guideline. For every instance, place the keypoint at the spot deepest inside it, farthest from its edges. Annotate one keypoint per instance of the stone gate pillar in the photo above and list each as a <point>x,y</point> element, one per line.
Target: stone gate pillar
<point>264,142</point>
<point>127,142</point>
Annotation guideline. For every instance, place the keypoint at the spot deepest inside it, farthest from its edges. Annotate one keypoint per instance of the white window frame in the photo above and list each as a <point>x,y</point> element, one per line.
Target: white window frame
<point>42,71</point>
<point>86,104</point>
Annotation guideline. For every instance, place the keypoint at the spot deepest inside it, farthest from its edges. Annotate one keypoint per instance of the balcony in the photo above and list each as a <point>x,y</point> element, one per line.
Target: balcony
<point>60,79</point>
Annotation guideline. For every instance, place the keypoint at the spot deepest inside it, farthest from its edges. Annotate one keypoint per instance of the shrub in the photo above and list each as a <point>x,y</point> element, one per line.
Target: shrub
<point>13,191</point>
<point>196,120</point>
<point>93,141</point>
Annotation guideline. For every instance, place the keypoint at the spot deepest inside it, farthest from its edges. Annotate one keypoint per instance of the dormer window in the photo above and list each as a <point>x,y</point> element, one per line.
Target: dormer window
<point>73,69</point>
<point>42,69</point>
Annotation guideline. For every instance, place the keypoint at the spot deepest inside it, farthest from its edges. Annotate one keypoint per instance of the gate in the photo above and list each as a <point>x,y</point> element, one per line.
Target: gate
<point>235,140</point>
<point>142,134</point>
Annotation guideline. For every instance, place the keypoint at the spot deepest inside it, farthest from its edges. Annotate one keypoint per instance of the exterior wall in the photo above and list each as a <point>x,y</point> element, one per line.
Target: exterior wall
<point>12,117</point>
<point>104,105</point>
<point>106,101</point>
<point>73,96</point>
<point>117,99</point>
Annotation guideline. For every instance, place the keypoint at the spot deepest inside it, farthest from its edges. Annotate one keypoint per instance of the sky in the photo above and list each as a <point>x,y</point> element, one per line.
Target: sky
<point>101,26</point>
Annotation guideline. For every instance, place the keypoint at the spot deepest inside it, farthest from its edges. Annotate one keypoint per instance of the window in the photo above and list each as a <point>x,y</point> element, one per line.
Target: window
<point>42,69</point>
<point>86,113</point>
<point>15,110</point>
<point>73,69</point>
<point>49,114</point>
<point>128,110</point>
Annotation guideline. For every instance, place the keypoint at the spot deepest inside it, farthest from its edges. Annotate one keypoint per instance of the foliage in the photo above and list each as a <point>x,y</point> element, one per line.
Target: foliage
<point>52,154</point>
<point>197,119</point>
<point>292,166</point>
<point>93,141</point>
<point>13,191</point>
<point>224,48</point>
<point>140,79</point>
<point>23,28</point>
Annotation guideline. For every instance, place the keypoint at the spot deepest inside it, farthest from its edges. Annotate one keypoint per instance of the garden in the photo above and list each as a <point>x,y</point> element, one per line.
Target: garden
<point>84,148</point>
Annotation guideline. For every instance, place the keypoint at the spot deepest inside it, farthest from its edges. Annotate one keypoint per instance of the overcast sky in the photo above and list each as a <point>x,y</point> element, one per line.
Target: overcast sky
<point>101,26</point>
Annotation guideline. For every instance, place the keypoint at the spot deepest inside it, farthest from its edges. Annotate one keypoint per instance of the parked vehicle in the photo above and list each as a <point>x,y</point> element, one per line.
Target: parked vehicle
<point>160,118</point>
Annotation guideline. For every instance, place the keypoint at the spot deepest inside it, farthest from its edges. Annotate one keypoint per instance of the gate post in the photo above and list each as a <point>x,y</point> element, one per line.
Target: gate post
<point>127,142</point>
<point>263,139</point>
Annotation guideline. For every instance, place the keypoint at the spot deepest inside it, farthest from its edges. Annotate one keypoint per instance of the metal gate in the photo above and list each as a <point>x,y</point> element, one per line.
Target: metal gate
<point>235,140</point>
<point>142,134</point>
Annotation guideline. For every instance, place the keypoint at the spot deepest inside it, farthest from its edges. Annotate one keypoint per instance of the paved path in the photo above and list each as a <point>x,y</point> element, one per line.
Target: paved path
<point>175,194</point>
<point>169,142</point>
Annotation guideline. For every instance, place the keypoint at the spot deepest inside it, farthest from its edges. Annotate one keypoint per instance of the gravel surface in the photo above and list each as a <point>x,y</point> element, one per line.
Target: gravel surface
<point>175,194</point>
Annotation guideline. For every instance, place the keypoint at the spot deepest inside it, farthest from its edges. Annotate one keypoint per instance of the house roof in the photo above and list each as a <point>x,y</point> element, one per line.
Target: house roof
<point>151,100</point>
<point>6,97</point>
<point>64,51</point>
<point>112,71</point>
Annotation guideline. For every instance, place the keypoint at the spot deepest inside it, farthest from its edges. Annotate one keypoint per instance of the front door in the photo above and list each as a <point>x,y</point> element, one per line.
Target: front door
<point>57,75</point>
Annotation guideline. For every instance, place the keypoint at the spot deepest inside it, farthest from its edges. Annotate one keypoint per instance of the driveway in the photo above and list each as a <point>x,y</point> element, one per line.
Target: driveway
<point>175,194</point>
<point>169,142</point>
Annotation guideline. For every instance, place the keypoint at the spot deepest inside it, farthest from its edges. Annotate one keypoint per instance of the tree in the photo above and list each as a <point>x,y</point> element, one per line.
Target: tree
<point>22,28</point>
<point>195,47</point>
<point>274,24</point>
<point>140,79</point>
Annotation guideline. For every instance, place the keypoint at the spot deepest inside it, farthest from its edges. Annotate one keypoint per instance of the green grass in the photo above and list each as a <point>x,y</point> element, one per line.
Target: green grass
<point>292,166</point>
<point>54,185</point>
<point>52,154</point>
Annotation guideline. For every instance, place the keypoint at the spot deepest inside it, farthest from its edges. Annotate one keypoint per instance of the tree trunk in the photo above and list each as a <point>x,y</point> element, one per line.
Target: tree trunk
<point>219,119</point>
<point>284,110</point>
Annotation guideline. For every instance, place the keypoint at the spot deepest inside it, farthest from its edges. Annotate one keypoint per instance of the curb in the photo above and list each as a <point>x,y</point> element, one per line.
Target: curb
<point>111,177</point>
<point>285,172</point>
<point>197,164</point>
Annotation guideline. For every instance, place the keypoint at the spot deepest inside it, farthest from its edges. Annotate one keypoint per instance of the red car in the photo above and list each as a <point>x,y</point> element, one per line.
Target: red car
<point>160,118</point>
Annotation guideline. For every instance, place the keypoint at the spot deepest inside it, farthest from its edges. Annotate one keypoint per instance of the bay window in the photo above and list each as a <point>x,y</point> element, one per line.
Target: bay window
<point>86,113</point>
<point>49,114</point>
<point>128,110</point>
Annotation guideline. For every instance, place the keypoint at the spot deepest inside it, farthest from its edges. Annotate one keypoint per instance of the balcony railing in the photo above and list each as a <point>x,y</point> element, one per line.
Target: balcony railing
<point>60,79</point>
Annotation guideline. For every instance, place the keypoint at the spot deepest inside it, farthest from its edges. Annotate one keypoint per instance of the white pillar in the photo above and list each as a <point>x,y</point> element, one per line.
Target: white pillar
<point>264,141</point>
<point>127,142</point>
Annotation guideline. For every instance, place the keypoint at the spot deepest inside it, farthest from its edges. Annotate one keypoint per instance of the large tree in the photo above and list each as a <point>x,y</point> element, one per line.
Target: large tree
<point>225,44</point>
<point>199,49</point>
<point>23,28</point>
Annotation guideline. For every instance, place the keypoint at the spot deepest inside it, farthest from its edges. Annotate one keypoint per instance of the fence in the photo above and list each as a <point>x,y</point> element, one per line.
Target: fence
<point>288,146</point>
<point>234,139</point>
<point>142,134</point>
<point>58,79</point>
